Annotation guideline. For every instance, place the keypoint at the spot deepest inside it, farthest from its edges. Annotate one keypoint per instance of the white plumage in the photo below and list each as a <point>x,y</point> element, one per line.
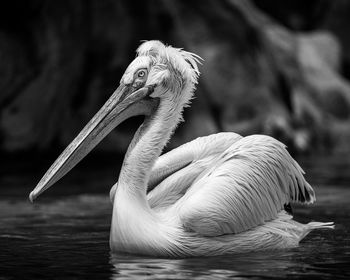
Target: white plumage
<point>215,195</point>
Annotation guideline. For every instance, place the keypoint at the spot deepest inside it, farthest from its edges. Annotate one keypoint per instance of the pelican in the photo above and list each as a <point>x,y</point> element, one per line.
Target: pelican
<point>219,194</point>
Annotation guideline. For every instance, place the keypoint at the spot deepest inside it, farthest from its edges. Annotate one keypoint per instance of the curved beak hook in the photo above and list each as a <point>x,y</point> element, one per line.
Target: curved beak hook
<point>124,103</point>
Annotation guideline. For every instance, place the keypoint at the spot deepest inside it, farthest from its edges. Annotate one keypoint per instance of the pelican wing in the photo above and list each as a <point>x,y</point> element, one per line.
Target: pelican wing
<point>246,186</point>
<point>176,170</point>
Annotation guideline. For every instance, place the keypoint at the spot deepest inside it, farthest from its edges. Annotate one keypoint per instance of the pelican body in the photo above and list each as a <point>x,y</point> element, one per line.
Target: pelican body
<point>219,194</point>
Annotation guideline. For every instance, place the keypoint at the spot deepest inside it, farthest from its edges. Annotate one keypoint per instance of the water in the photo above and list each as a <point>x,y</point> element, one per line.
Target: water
<point>65,234</point>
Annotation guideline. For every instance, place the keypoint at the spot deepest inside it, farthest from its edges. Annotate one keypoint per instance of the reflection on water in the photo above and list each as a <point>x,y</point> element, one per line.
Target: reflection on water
<point>67,235</point>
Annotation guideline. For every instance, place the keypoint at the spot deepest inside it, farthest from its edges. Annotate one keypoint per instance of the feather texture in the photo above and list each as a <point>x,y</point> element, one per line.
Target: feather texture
<point>245,186</point>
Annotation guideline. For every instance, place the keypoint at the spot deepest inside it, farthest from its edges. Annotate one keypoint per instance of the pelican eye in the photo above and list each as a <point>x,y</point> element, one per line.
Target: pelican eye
<point>141,73</point>
<point>140,77</point>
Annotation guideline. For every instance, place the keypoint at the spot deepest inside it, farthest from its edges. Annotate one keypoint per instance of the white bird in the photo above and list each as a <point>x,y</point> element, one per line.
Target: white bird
<point>219,194</point>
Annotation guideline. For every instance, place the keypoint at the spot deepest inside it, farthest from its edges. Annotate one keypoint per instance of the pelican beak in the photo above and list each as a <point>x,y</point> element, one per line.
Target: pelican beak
<point>124,103</point>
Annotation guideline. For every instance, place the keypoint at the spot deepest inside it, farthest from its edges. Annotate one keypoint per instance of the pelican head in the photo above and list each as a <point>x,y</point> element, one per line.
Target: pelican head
<point>158,74</point>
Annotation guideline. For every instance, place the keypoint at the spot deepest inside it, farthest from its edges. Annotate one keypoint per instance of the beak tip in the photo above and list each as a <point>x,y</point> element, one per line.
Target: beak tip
<point>32,196</point>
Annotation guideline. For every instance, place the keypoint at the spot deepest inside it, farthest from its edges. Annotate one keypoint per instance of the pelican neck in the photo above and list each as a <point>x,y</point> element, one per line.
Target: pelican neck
<point>147,145</point>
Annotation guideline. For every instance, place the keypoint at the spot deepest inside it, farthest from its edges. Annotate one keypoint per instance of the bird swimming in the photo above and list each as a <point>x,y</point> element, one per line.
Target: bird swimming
<point>218,194</point>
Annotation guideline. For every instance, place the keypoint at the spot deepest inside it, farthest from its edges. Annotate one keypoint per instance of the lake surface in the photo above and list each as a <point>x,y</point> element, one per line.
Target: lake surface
<point>65,233</point>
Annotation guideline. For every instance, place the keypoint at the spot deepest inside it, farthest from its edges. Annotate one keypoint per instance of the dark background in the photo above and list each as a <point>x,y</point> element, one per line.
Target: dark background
<point>272,67</point>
